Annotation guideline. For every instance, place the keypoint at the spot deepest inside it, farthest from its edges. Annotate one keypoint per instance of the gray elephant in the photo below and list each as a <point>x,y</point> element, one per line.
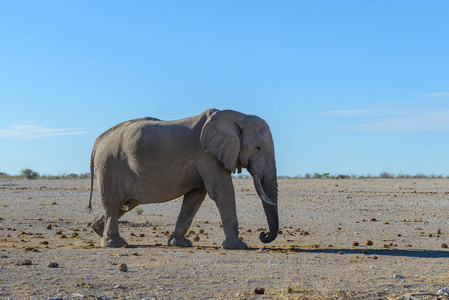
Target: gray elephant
<point>152,161</point>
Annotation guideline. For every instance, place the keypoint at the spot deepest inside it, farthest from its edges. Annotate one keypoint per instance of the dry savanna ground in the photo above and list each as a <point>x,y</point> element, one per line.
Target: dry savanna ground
<point>339,239</point>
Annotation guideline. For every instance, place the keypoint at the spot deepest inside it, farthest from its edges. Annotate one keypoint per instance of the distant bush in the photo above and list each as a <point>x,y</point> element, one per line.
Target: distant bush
<point>84,175</point>
<point>386,175</point>
<point>72,176</point>
<point>241,176</point>
<point>29,174</point>
<point>383,175</point>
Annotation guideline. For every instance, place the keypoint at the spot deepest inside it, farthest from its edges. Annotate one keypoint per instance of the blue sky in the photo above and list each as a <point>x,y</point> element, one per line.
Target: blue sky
<point>352,87</point>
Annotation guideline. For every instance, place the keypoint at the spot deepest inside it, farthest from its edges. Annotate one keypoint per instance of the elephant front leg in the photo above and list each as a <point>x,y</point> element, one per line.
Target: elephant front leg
<point>221,190</point>
<point>190,204</point>
<point>228,215</point>
<point>218,183</point>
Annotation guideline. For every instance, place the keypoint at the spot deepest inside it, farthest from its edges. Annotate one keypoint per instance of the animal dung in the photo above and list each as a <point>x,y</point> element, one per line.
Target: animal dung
<point>123,268</point>
<point>25,262</point>
<point>369,243</point>
<point>259,291</point>
<point>30,249</point>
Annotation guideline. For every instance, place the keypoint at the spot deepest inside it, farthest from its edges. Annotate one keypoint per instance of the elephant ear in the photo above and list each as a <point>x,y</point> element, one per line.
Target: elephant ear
<point>221,136</point>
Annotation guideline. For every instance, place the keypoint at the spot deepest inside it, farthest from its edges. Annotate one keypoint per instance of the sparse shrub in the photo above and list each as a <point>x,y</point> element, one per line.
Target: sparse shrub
<point>386,175</point>
<point>29,174</point>
<point>242,176</point>
<point>72,176</point>
<point>84,175</point>
<point>138,211</point>
<point>419,176</point>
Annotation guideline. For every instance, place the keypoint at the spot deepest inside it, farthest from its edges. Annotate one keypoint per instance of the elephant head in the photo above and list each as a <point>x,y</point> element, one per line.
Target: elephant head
<point>245,141</point>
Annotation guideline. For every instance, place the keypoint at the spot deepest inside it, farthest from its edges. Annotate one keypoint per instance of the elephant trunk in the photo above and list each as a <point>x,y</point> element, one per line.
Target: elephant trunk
<point>268,192</point>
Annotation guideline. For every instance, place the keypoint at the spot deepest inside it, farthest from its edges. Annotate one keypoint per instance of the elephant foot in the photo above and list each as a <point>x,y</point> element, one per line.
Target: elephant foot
<point>98,226</point>
<point>115,242</point>
<point>180,242</point>
<point>234,245</point>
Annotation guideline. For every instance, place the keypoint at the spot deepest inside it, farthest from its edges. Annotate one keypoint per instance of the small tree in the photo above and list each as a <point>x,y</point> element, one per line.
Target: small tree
<point>84,175</point>
<point>29,174</point>
<point>386,175</point>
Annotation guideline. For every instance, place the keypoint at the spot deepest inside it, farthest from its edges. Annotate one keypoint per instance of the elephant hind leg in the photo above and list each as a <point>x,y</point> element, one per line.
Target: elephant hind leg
<point>98,225</point>
<point>111,236</point>
<point>192,201</point>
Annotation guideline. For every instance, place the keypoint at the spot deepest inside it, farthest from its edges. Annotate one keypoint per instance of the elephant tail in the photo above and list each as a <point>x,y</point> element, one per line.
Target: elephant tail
<point>89,207</point>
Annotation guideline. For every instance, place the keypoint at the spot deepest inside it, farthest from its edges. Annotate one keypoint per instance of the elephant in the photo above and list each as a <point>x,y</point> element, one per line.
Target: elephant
<point>147,160</point>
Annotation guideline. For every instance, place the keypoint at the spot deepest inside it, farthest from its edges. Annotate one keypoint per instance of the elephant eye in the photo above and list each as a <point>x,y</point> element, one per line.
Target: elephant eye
<point>258,148</point>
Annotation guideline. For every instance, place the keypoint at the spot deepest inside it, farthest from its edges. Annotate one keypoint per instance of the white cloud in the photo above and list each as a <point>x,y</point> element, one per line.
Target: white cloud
<point>399,116</point>
<point>437,95</point>
<point>422,121</point>
<point>352,113</point>
<point>29,131</point>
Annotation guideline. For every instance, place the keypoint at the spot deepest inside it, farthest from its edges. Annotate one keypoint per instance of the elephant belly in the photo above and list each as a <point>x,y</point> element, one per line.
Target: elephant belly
<point>158,189</point>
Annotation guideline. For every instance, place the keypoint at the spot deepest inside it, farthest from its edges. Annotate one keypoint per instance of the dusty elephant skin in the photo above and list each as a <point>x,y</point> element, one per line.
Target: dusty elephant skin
<point>152,161</point>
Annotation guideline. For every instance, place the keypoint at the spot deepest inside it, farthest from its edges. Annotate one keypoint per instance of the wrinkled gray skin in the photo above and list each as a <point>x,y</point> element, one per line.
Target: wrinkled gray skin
<point>152,161</point>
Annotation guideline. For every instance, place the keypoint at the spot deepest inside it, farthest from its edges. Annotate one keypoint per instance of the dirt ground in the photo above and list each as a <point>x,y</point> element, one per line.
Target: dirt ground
<point>340,239</point>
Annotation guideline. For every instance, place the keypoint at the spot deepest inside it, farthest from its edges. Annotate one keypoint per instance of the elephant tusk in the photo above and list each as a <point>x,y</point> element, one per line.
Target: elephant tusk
<point>260,191</point>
